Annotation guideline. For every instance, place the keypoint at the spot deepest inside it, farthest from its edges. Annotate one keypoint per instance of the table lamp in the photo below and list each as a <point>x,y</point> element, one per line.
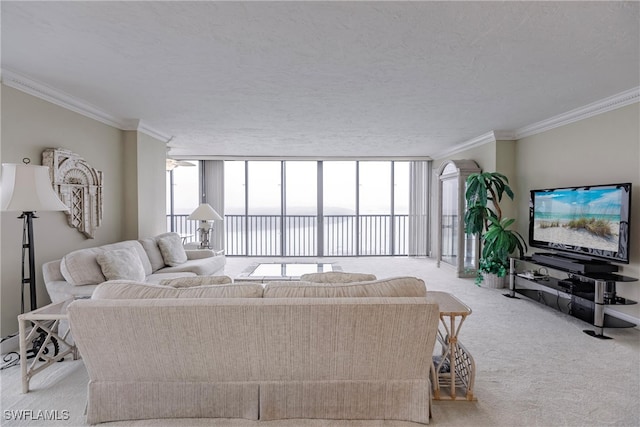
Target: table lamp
<point>205,213</point>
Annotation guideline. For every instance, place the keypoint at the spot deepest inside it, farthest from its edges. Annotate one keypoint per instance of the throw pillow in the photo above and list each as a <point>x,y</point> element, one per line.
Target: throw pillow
<point>121,264</point>
<point>393,287</point>
<point>133,290</point>
<point>187,282</point>
<point>80,267</point>
<point>150,246</point>
<point>337,277</point>
<point>172,250</point>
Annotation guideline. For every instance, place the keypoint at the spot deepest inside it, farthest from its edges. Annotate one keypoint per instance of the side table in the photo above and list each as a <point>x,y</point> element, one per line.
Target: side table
<point>45,322</point>
<point>454,368</point>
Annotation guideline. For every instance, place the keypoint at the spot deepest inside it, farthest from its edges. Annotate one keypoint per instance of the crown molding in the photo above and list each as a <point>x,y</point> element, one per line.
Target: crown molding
<point>153,132</point>
<point>57,97</point>
<point>64,100</point>
<point>504,135</point>
<point>475,142</point>
<point>619,100</point>
<point>140,126</point>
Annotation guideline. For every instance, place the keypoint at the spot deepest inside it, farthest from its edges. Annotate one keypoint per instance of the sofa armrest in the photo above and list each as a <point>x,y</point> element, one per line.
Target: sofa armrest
<point>199,253</point>
<point>61,290</point>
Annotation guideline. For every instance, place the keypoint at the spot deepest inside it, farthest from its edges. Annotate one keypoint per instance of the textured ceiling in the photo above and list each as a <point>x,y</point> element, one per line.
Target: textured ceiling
<point>326,78</point>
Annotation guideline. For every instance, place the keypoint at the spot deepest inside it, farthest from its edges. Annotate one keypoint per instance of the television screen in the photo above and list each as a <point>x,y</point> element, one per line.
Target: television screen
<point>591,221</point>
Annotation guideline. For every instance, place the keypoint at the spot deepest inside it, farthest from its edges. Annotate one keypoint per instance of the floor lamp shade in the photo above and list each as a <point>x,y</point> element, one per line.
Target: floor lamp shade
<point>27,188</point>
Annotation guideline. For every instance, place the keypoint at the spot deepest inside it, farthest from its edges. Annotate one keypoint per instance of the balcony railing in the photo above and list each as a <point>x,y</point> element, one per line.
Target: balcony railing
<point>297,235</point>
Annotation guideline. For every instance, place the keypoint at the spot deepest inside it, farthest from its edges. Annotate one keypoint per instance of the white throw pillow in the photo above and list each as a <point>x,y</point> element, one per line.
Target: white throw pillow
<point>337,277</point>
<point>187,282</point>
<point>172,250</point>
<point>392,287</point>
<point>132,290</point>
<point>121,264</point>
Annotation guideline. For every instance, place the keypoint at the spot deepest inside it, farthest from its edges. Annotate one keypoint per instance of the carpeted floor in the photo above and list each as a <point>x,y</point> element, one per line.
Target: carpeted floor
<point>535,366</point>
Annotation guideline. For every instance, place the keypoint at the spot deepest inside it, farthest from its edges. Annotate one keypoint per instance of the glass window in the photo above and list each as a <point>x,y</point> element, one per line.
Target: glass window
<point>339,185</point>
<point>339,197</point>
<point>375,188</point>
<point>300,222</point>
<point>264,187</point>
<point>186,188</point>
<point>267,217</point>
<point>375,208</point>
<point>401,178</point>
<point>234,188</point>
<point>302,187</point>
<point>183,197</point>
<point>234,207</point>
<point>264,207</point>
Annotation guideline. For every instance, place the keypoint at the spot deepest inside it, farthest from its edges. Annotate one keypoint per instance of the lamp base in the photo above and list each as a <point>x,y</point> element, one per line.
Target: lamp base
<point>204,237</point>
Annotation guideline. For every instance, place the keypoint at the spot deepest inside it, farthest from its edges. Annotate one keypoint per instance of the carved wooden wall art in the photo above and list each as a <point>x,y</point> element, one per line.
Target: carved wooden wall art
<point>79,186</point>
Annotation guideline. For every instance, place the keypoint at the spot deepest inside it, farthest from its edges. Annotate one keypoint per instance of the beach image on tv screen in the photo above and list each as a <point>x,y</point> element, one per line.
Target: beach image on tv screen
<point>587,218</point>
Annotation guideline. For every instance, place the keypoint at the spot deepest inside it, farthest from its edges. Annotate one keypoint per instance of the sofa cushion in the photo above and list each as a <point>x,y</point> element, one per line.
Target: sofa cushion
<point>156,278</point>
<point>393,287</point>
<point>187,282</point>
<point>152,249</point>
<point>80,267</point>
<point>125,289</point>
<point>172,250</point>
<point>121,264</point>
<point>201,267</point>
<point>337,277</point>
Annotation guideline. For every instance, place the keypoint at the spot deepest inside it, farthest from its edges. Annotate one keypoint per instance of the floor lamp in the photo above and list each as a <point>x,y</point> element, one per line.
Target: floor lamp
<point>27,188</point>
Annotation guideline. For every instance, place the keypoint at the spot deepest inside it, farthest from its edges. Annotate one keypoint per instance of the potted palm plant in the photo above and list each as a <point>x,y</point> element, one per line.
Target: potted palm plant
<point>483,216</point>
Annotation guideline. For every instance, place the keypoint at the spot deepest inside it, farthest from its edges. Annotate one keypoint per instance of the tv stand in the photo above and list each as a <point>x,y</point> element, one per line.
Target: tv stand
<point>584,295</point>
<point>574,264</point>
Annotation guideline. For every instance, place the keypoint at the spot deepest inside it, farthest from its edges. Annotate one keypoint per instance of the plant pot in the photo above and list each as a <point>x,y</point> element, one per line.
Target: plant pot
<point>491,280</point>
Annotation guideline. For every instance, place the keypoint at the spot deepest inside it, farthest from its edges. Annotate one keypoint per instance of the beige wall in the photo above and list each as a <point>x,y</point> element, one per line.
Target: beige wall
<point>29,125</point>
<point>145,188</point>
<point>151,169</point>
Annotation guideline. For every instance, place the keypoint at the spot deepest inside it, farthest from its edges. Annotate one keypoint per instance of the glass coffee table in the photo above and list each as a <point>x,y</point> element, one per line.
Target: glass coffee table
<point>277,271</point>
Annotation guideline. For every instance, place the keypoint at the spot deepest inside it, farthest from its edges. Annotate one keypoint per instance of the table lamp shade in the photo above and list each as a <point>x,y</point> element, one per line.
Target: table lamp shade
<point>27,188</point>
<point>205,212</point>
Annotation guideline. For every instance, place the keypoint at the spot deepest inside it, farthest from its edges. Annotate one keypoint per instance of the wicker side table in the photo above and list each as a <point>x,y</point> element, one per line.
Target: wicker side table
<point>45,322</point>
<point>454,369</point>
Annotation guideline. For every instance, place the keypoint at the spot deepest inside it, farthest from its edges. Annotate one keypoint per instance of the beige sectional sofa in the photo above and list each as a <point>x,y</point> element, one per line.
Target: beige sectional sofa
<point>78,273</point>
<point>259,352</point>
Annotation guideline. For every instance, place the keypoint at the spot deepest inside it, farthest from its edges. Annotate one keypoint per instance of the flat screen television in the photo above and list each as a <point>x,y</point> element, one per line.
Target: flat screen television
<point>590,222</point>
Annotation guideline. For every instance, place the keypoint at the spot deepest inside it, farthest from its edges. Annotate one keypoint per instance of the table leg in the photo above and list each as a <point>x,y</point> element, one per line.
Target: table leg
<point>452,356</point>
<point>22,332</point>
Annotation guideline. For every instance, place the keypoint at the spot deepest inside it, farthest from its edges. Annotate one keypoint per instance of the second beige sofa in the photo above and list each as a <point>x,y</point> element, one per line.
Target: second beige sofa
<point>244,351</point>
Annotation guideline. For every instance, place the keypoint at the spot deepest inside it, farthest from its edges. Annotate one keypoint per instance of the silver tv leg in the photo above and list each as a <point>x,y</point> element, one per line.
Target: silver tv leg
<point>512,279</point>
<point>598,312</point>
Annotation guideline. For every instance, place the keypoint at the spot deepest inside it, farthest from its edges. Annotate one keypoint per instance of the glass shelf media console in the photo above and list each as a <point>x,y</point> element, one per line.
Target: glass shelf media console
<point>590,297</point>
